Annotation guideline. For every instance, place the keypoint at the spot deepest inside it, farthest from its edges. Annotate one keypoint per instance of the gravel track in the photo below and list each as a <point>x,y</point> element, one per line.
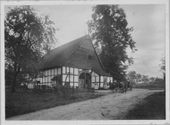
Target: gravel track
<point>109,107</point>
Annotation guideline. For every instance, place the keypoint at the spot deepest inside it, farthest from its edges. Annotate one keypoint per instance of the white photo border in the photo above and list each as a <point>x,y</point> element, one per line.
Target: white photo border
<point>82,122</point>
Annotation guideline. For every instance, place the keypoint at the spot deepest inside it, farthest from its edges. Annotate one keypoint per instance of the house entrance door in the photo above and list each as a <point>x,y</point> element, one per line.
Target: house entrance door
<point>85,80</point>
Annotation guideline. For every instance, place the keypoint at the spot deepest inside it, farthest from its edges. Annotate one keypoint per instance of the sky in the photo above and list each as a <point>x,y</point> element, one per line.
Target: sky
<point>148,22</point>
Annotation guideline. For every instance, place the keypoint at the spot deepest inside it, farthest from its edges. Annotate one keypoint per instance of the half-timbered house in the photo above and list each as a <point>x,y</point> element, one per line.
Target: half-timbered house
<point>75,64</point>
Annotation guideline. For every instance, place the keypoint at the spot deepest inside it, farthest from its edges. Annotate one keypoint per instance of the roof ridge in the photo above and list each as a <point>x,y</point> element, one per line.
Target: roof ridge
<point>97,56</point>
<point>75,40</point>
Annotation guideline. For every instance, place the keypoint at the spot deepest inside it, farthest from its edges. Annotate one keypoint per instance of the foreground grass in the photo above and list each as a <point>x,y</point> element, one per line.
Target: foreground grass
<point>29,101</point>
<point>153,107</point>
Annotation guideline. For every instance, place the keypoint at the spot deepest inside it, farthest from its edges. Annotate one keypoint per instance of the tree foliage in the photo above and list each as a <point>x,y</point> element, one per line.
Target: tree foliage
<point>108,28</point>
<point>27,37</point>
<point>132,75</point>
<point>136,78</point>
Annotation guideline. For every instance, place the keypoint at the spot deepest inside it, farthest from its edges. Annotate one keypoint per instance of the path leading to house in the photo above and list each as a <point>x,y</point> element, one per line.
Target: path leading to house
<point>112,106</point>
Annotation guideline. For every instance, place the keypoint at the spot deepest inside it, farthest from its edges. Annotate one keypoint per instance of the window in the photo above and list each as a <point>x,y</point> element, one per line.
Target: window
<point>76,79</point>
<point>93,78</point>
<point>59,71</point>
<point>55,71</point>
<point>101,78</point>
<point>52,71</point>
<point>64,78</point>
<point>108,79</point>
<point>111,79</point>
<point>71,78</point>
<point>97,79</point>
<point>48,72</point>
<point>71,70</point>
<point>45,79</point>
<point>68,70</point>
<point>101,85</point>
<point>49,79</point>
<point>76,71</point>
<point>64,70</point>
<point>40,80</point>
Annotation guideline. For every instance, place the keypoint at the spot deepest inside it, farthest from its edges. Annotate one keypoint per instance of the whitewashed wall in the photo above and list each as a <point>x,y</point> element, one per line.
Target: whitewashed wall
<point>71,76</point>
<point>46,76</point>
<point>95,80</point>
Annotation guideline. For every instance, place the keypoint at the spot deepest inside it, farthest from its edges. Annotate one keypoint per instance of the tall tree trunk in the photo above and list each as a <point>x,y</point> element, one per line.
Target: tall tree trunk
<point>16,71</point>
<point>14,82</point>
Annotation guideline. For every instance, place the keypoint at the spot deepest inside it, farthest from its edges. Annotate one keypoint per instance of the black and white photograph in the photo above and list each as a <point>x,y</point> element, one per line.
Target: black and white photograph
<point>91,61</point>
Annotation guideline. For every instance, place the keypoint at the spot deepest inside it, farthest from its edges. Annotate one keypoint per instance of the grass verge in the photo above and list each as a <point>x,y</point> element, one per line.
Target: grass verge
<point>153,107</point>
<point>29,101</point>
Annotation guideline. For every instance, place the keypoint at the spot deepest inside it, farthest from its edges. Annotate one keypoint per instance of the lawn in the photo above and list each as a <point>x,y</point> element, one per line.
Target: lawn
<point>153,107</point>
<point>22,102</point>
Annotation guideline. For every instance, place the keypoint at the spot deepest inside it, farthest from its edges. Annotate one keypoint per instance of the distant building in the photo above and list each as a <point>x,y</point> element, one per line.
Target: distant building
<point>75,64</point>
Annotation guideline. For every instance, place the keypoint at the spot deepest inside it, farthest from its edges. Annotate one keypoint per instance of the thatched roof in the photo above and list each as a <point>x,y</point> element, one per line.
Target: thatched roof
<point>79,53</point>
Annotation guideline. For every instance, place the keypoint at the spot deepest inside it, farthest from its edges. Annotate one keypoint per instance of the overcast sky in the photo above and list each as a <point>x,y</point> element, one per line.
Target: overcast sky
<point>148,22</point>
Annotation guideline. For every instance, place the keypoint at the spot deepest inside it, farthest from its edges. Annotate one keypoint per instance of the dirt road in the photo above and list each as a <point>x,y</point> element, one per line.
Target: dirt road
<point>109,107</point>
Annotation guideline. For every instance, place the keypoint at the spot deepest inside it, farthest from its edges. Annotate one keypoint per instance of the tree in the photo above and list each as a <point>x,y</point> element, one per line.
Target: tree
<point>108,28</point>
<point>145,78</point>
<point>138,76</point>
<point>132,75</point>
<point>27,38</point>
